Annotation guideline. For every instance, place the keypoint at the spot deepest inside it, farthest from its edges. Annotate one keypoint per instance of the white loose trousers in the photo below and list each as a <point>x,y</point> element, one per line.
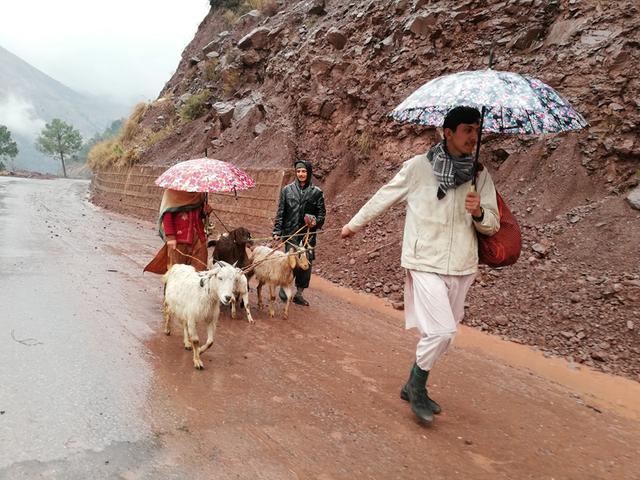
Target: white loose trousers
<point>434,304</point>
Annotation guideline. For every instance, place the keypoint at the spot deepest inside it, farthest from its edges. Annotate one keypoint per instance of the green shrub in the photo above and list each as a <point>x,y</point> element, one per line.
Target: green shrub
<point>230,82</point>
<point>211,72</point>
<point>195,106</point>
<point>155,137</point>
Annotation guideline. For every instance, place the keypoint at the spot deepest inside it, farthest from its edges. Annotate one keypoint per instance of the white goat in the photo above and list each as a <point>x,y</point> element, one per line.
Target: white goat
<point>240,291</point>
<point>192,297</point>
<point>275,269</point>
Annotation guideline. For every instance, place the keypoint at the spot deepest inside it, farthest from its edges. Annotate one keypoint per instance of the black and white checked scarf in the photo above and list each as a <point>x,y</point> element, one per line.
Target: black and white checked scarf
<point>449,170</point>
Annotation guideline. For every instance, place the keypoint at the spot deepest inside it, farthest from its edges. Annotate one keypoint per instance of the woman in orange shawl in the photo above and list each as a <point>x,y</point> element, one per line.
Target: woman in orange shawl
<point>181,226</point>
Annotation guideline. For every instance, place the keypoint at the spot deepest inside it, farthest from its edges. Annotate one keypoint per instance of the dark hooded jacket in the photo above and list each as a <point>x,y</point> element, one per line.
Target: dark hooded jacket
<point>296,202</point>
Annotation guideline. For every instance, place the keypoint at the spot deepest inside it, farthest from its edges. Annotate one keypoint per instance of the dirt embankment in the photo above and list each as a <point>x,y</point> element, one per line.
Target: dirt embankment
<point>317,79</point>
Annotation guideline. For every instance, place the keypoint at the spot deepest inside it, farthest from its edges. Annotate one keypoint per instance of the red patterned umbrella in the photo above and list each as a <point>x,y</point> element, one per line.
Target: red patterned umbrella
<point>205,175</point>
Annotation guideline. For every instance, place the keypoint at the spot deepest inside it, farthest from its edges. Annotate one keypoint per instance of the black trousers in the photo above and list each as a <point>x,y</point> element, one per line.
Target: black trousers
<point>302,277</point>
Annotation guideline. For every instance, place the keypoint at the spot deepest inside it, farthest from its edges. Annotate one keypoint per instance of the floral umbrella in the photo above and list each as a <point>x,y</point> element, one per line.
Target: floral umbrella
<point>205,175</point>
<point>510,103</point>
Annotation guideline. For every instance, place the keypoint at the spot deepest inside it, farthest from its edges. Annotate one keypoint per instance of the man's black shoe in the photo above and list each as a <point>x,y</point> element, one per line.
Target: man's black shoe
<point>300,300</point>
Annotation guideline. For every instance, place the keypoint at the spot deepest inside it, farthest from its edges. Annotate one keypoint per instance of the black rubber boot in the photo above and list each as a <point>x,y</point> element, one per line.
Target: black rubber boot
<point>415,392</point>
<point>299,299</point>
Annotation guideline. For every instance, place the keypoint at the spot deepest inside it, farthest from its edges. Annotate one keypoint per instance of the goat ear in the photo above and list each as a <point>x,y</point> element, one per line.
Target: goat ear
<point>292,260</point>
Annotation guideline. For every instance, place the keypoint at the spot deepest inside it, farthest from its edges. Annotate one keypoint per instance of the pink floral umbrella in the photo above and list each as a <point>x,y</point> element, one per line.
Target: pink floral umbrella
<point>205,175</point>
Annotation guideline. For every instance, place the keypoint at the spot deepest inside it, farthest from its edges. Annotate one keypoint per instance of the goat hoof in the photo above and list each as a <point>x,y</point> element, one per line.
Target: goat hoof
<point>188,347</point>
<point>167,332</point>
<point>199,367</point>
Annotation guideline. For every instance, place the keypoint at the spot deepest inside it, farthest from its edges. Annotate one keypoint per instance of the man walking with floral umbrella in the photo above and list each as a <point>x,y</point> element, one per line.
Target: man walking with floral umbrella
<point>439,248</point>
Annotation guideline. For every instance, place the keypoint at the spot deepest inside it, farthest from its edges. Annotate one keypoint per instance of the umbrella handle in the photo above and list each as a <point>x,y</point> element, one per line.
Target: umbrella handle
<point>484,109</point>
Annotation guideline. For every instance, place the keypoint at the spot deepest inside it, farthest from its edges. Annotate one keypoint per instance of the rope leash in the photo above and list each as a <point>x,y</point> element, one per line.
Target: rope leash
<point>194,258</point>
<point>327,230</point>
<point>285,239</point>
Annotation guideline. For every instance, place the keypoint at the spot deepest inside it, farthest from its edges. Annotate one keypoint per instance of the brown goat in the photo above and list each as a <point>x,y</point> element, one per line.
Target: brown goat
<point>232,247</point>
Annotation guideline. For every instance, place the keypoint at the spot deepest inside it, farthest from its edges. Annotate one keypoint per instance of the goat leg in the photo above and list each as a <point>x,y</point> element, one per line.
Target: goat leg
<point>167,318</point>
<point>195,345</point>
<point>272,300</point>
<point>233,308</point>
<point>245,299</point>
<point>259,292</point>
<point>197,363</point>
<point>289,292</point>
<point>212,323</point>
<point>185,336</point>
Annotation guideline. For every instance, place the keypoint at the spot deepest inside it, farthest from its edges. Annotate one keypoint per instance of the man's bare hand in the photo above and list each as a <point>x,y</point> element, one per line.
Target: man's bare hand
<point>347,232</point>
<point>472,204</point>
<point>172,244</point>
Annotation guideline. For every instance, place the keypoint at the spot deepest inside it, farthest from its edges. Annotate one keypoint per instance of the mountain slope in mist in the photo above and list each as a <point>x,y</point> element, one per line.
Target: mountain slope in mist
<point>29,98</point>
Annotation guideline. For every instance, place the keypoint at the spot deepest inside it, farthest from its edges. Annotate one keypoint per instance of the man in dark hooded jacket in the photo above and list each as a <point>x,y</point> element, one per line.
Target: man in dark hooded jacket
<point>301,204</point>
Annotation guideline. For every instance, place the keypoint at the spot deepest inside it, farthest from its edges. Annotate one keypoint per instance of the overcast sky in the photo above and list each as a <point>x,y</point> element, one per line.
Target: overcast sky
<point>126,49</point>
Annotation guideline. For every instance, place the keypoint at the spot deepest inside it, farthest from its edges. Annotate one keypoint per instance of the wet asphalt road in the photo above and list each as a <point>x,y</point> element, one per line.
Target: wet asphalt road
<point>74,372</point>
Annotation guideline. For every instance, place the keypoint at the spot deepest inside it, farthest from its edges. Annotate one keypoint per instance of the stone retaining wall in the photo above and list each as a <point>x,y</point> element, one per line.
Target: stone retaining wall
<point>132,191</point>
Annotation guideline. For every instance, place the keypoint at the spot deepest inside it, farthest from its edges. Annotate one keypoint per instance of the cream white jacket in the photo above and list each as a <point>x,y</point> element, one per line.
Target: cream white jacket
<point>439,235</point>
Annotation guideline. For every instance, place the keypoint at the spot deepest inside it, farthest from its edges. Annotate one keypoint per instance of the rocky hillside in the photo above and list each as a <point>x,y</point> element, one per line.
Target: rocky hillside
<point>317,79</point>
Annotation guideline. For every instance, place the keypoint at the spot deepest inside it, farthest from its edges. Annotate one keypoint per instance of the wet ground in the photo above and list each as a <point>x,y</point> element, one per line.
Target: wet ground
<point>92,388</point>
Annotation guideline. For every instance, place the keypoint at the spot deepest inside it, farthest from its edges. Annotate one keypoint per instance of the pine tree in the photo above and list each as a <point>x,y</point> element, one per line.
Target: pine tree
<point>59,139</point>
